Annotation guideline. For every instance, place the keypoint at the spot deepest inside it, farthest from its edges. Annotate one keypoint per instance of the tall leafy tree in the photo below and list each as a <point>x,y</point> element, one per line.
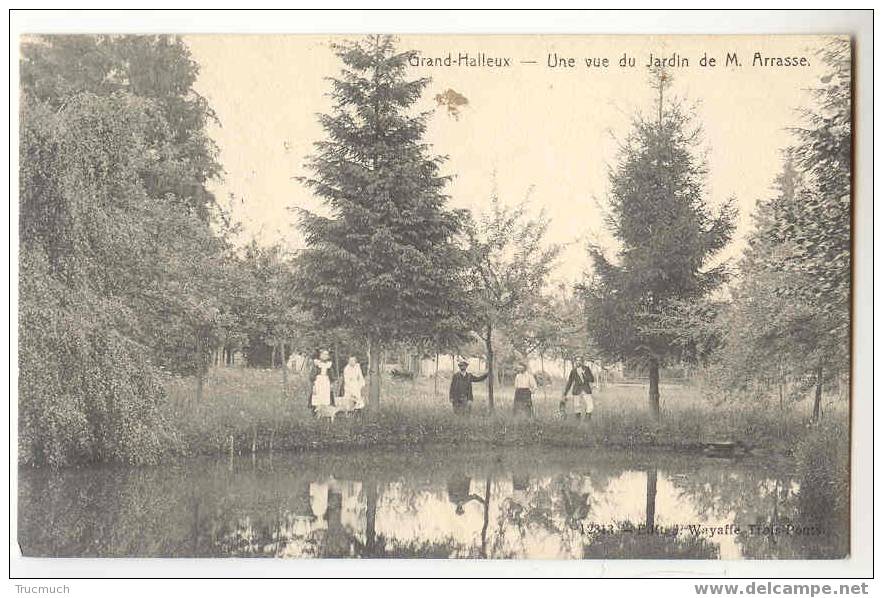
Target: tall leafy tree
<point>158,68</point>
<point>510,262</point>
<point>117,242</point>
<point>86,390</point>
<point>668,237</point>
<point>268,306</point>
<point>790,315</point>
<point>383,262</point>
<point>152,244</point>
<point>820,224</point>
<point>820,231</point>
<point>768,330</point>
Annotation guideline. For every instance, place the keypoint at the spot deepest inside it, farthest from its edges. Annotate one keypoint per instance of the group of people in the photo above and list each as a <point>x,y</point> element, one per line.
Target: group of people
<point>324,378</point>
<point>349,393</point>
<point>579,386</point>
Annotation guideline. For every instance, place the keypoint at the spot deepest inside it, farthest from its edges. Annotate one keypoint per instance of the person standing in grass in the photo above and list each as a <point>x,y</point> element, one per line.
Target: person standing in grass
<point>353,383</point>
<point>321,375</point>
<point>525,386</point>
<point>579,384</point>
<point>461,388</point>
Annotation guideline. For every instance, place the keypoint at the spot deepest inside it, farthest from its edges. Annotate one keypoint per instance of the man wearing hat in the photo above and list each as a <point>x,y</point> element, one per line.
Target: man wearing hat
<point>461,388</point>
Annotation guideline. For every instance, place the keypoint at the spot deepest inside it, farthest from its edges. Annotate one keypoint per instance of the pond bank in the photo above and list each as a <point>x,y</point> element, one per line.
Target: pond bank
<point>687,433</point>
<point>249,411</point>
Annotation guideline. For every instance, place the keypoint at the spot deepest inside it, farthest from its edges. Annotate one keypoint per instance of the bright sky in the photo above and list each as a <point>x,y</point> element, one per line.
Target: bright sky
<point>551,128</point>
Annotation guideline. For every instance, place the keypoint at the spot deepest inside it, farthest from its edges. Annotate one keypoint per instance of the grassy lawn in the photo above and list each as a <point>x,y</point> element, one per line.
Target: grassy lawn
<point>247,409</point>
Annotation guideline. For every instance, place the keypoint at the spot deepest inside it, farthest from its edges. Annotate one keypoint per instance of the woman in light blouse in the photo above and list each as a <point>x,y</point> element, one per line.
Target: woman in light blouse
<point>525,386</point>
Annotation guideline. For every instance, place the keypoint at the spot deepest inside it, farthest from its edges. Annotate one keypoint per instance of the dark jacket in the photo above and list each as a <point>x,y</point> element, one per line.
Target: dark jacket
<point>577,384</point>
<point>461,386</point>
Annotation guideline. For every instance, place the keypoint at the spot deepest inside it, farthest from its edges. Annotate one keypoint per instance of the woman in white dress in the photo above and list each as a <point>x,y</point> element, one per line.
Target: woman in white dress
<point>353,383</point>
<point>321,374</point>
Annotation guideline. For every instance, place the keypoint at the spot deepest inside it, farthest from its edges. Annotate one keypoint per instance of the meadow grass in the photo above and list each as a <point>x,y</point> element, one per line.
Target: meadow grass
<point>247,410</point>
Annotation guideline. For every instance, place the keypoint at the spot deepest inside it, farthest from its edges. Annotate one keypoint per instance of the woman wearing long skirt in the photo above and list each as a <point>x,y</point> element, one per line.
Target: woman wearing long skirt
<point>353,383</point>
<point>525,386</point>
<point>321,374</point>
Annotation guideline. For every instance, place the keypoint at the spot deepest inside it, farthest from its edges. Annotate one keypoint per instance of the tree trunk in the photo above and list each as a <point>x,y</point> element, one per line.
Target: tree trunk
<point>200,369</point>
<point>782,393</point>
<point>435,378</point>
<point>654,389</point>
<point>651,499</point>
<point>373,373</point>
<point>489,345</point>
<point>284,368</point>
<point>200,384</point>
<point>543,370</point>
<point>817,403</point>
<point>336,362</point>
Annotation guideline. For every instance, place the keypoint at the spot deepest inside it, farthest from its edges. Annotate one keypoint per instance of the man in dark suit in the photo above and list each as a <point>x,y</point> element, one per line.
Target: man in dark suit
<point>579,384</point>
<point>461,388</point>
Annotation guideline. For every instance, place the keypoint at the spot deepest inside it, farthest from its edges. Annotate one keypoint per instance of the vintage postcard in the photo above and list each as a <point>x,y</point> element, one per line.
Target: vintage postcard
<point>434,296</point>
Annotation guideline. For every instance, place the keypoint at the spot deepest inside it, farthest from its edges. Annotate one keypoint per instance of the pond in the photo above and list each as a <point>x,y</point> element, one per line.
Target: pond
<point>432,502</point>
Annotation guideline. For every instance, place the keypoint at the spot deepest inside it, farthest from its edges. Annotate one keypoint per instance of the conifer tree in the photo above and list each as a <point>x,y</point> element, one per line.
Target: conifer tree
<point>383,262</point>
<point>667,236</point>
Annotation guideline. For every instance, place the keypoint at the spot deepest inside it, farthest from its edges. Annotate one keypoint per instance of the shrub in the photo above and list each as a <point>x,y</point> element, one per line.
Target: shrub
<point>85,392</point>
<point>822,457</point>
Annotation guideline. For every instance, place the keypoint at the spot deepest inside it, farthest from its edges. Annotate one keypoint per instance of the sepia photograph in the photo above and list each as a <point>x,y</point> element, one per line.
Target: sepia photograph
<point>434,296</point>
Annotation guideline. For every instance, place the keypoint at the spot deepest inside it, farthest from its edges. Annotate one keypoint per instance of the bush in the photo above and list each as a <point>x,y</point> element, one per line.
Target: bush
<point>822,457</point>
<point>85,392</point>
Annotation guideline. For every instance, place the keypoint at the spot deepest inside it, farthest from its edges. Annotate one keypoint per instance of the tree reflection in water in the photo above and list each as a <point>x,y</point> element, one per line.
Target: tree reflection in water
<point>565,504</point>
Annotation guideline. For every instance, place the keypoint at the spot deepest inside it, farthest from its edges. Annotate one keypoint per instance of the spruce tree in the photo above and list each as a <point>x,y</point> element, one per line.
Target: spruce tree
<point>384,262</point>
<point>666,234</point>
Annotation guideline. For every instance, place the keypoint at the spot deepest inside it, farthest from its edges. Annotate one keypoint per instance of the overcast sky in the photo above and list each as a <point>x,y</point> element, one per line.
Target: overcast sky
<point>551,128</point>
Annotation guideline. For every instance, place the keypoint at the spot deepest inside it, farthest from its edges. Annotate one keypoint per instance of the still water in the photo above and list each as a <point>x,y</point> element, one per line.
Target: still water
<point>435,503</point>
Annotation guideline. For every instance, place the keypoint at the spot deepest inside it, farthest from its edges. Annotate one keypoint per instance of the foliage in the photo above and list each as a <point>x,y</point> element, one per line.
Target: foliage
<point>820,225</point>
<point>790,315</point>
<point>823,467</point>
<point>565,332</point>
<point>509,264</point>
<point>157,68</point>
<point>384,261</point>
<point>668,238</point>
<point>115,225</point>
<point>265,303</point>
<point>86,393</point>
